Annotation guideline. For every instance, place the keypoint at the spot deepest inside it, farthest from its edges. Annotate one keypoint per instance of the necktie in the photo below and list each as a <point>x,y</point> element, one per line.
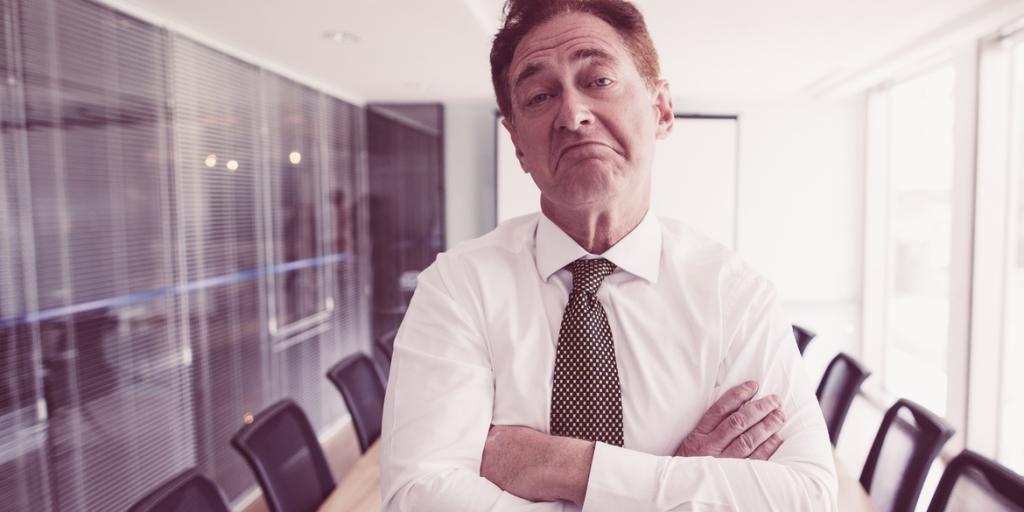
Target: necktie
<point>586,402</point>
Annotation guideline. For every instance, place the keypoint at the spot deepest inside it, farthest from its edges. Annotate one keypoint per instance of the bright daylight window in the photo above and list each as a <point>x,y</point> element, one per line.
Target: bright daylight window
<point>920,179</point>
<point>1011,446</point>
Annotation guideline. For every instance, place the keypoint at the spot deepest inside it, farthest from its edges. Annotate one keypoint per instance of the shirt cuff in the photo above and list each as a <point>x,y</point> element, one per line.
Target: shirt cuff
<point>621,479</point>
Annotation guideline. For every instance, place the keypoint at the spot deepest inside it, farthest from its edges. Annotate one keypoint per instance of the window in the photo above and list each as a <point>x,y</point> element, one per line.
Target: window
<point>912,123</point>
<point>921,172</point>
<point>996,412</point>
<point>295,175</point>
<point>1011,446</point>
<point>100,335</point>
<point>217,176</point>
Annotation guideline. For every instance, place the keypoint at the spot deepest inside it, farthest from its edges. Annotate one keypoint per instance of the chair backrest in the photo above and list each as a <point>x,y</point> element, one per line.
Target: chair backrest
<point>282,449</point>
<point>837,389</point>
<point>973,482</point>
<point>907,442</point>
<point>188,492</point>
<point>362,387</point>
<point>803,338</point>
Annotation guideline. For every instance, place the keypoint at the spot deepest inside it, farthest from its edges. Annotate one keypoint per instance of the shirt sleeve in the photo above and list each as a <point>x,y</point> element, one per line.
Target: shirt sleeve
<point>438,408</point>
<point>800,476</point>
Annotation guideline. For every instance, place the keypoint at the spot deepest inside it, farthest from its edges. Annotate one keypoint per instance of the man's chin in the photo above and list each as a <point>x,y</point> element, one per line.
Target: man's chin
<point>587,171</point>
<point>591,161</point>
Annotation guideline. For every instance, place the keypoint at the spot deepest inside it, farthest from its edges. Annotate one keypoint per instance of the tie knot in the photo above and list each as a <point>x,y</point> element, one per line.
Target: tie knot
<point>588,274</point>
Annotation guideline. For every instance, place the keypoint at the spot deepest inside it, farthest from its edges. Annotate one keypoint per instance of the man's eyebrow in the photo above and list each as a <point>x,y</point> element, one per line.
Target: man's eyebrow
<point>531,69</point>
<point>591,53</point>
<point>583,53</point>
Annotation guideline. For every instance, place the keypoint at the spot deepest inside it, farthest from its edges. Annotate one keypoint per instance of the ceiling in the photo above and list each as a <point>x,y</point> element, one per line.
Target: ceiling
<point>437,50</point>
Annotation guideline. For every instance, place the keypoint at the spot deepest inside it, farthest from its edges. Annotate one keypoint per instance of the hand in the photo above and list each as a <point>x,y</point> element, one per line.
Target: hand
<point>536,466</point>
<point>735,427</point>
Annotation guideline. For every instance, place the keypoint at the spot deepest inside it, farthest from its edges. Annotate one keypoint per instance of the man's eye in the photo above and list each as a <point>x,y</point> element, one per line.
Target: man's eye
<point>538,98</point>
<point>602,82</point>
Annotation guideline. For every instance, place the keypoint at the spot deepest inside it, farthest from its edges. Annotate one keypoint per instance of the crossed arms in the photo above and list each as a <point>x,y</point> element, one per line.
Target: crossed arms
<point>440,451</point>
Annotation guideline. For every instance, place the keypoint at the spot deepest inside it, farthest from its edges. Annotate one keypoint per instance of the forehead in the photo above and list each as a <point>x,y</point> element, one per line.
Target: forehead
<point>562,36</point>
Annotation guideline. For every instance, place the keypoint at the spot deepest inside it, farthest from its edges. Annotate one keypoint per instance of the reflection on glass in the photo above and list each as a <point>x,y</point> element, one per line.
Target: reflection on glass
<point>1011,445</point>
<point>921,172</point>
<point>297,200</point>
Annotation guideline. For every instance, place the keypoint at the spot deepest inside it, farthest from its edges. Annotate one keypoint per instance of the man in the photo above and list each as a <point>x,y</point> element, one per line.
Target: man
<point>592,356</point>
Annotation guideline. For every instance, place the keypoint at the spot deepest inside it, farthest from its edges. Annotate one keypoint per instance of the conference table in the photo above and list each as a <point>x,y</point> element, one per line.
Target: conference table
<point>852,497</point>
<point>359,490</point>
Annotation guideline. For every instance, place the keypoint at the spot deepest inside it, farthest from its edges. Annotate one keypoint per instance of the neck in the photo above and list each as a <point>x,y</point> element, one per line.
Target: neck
<point>596,230</point>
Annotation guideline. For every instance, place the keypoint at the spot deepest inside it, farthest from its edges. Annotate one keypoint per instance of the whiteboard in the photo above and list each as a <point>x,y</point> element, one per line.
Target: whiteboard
<point>694,180</point>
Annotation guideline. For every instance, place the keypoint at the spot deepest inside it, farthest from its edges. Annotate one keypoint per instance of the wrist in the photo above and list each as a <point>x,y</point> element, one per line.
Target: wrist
<point>569,468</point>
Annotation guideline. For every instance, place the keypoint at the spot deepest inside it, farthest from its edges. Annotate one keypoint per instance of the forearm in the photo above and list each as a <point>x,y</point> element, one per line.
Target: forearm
<point>568,469</point>
<point>456,489</point>
<point>800,475</point>
<point>629,480</point>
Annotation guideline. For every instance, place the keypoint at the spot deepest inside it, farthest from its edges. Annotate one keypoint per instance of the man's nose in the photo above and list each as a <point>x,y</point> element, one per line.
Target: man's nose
<point>574,112</point>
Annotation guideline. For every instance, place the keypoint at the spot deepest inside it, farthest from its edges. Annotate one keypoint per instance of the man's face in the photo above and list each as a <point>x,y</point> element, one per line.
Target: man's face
<point>584,121</point>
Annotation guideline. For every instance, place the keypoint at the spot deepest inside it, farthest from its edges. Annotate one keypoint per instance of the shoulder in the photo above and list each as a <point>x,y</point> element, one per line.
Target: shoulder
<point>500,248</point>
<point>511,236</point>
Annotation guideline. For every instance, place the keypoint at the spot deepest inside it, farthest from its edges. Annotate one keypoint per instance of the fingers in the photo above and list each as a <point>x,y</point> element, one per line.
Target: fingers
<point>732,428</point>
<point>767,448</point>
<point>745,417</point>
<point>756,436</point>
<point>729,403</point>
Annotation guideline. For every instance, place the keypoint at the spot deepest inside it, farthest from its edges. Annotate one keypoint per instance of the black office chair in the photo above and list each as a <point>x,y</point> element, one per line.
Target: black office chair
<point>906,444</point>
<point>803,338</point>
<point>282,449</point>
<point>362,387</point>
<point>188,492</point>
<point>837,389</point>
<point>973,482</point>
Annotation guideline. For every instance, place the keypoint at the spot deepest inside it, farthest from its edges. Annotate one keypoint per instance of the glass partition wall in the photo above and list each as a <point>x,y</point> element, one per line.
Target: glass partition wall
<point>183,241</point>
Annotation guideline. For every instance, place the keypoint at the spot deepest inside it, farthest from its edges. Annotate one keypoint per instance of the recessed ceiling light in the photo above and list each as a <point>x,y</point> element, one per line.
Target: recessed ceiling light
<point>341,37</point>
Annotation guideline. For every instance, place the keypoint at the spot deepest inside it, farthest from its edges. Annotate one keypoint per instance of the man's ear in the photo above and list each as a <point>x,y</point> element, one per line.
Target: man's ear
<point>511,128</point>
<point>663,109</point>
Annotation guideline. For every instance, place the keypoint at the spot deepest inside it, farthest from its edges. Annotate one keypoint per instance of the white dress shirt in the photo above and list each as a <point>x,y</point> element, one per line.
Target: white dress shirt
<point>689,320</point>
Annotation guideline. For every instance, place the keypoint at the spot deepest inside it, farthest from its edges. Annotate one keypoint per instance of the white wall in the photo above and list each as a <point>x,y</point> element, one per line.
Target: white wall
<point>695,175</point>
<point>801,195</point>
<point>469,170</point>
<point>801,214</point>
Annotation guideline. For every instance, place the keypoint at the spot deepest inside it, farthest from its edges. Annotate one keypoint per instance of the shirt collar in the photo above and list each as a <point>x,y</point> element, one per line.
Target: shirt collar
<point>638,253</point>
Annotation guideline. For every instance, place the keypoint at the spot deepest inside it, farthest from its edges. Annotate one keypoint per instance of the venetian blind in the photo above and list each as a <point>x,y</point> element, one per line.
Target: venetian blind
<point>114,385</point>
<point>152,215</point>
<point>217,165</point>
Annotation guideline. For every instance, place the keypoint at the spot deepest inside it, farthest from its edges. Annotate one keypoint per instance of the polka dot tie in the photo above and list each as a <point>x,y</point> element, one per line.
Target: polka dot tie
<point>586,402</point>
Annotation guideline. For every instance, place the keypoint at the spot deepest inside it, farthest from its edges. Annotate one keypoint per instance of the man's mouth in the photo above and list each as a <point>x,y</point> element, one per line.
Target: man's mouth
<point>576,146</point>
<point>581,144</point>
